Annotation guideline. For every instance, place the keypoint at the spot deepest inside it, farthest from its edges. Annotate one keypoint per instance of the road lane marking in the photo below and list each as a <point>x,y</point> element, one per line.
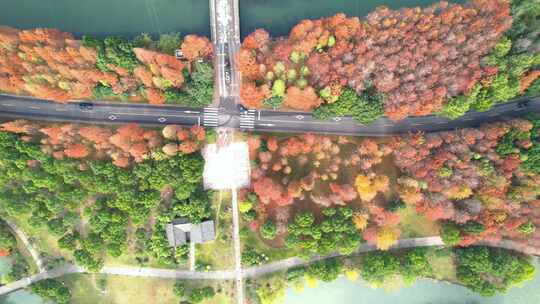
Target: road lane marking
<point>258,115</point>
<point>305,122</point>
<point>266,125</point>
<point>150,114</point>
<point>61,110</point>
<point>34,107</point>
<point>8,104</point>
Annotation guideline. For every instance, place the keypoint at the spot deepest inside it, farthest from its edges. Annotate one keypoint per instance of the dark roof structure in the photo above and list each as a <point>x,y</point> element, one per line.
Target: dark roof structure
<point>180,231</point>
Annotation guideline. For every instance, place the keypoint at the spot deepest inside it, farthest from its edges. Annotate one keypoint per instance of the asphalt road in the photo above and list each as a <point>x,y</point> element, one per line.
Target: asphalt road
<point>101,112</point>
<point>272,121</point>
<point>252,120</point>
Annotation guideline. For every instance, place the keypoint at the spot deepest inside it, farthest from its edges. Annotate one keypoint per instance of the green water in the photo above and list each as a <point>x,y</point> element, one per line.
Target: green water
<point>21,297</point>
<point>100,17</point>
<point>131,17</point>
<point>343,291</point>
<point>278,16</point>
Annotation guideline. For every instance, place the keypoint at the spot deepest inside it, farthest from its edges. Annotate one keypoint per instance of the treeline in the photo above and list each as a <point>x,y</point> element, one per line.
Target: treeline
<point>444,59</point>
<point>484,270</point>
<point>53,65</point>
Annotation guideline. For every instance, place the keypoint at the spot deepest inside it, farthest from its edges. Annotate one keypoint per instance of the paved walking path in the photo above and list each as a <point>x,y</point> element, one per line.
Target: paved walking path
<point>237,249</point>
<point>192,256</point>
<point>250,272</point>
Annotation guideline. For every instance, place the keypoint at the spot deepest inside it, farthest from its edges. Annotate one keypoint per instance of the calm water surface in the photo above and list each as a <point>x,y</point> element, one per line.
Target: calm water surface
<point>343,291</point>
<point>131,17</point>
<point>101,17</point>
<point>278,16</point>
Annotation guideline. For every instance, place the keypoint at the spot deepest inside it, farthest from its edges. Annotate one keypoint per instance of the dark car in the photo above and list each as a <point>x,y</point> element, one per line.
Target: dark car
<point>523,104</point>
<point>241,108</point>
<point>86,106</point>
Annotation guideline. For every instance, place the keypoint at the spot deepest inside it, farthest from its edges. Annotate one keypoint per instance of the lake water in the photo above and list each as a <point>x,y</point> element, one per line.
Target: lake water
<point>278,16</point>
<point>101,17</point>
<point>131,17</point>
<point>5,265</point>
<point>343,291</point>
<point>21,297</point>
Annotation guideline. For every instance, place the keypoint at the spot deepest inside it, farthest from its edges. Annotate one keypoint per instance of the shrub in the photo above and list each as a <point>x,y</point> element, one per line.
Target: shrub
<point>168,43</point>
<point>527,228</point>
<point>488,271</point>
<point>52,290</point>
<point>269,230</point>
<point>450,234</point>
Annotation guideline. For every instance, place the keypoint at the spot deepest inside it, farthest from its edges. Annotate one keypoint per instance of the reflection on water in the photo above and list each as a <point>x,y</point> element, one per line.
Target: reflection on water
<point>343,291</point>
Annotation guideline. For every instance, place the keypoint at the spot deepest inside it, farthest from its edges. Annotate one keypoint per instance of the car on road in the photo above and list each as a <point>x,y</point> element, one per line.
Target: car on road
<point>241,108</point>
<point>523,104</point>
<point>86,106</point>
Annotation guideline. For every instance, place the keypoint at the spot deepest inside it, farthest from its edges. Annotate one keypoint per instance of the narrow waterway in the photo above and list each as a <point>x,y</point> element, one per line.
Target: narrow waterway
<point>343,291</point>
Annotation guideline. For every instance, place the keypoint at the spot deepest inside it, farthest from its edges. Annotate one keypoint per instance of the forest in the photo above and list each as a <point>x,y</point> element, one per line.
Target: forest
<point>103,191</point>
<point>54,65</point>
<point>484,270</point>
<point>445,59</point>
<point>318,194</point>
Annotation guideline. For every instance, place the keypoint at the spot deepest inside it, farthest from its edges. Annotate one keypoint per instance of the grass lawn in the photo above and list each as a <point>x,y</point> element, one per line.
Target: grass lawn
<point>253,240</point>
<point>220,252</point>
<point>416,225</point>
<point>41,239</point>
<point>443,264</point>
<point>32,266</point>
<point>135,290</point>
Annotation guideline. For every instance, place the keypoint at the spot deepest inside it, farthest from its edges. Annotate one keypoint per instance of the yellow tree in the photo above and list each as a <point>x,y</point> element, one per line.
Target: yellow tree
<point>360,220</point>
<point>386,237</point>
